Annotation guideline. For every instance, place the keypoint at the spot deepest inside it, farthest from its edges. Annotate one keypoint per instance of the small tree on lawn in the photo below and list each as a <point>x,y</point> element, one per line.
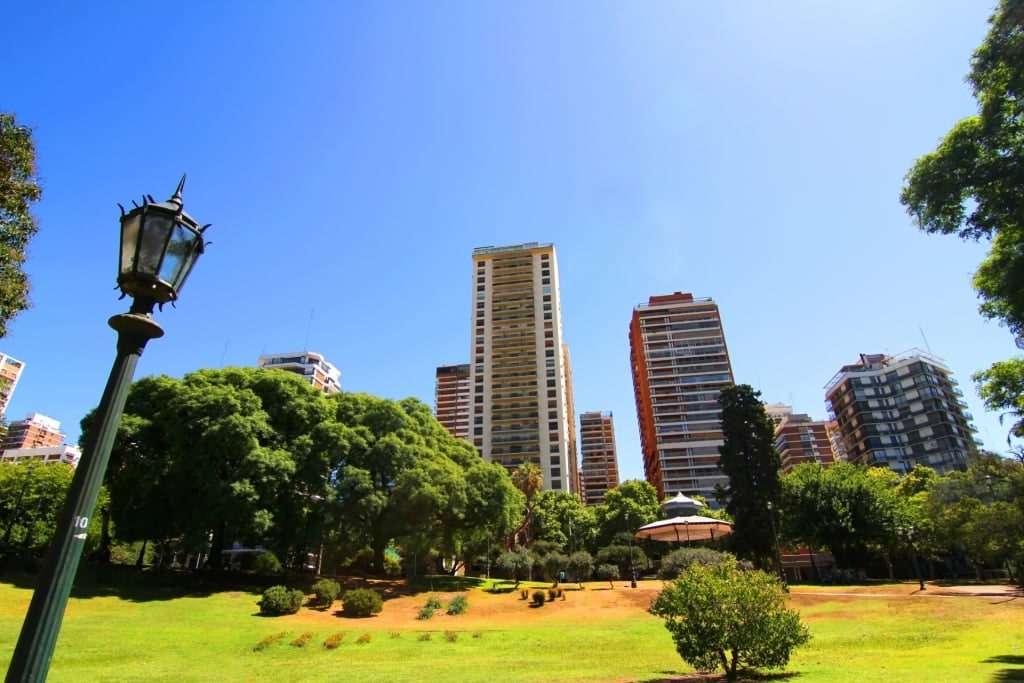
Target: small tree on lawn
<point>582,565</point>
<point>722,617</point>
<point>516,562</point>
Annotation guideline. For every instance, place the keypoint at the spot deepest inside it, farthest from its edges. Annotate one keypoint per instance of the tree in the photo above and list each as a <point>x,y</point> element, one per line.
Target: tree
<point>518,563</point>
<point>31,498</point>
<point>751,462</point>
<point>846,508</point>
<point>970,185</point>
<point>19,189</point>
<point>722,617</point>
<point>528,478</point>
<point>634,498</point>
<point>582,565</point>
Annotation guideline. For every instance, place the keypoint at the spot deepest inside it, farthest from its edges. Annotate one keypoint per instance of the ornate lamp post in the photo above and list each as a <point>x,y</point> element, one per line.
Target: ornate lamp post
<point>908,533</point>
<point>159,246</point>
<point>778,550</point>
<point>632,570</point>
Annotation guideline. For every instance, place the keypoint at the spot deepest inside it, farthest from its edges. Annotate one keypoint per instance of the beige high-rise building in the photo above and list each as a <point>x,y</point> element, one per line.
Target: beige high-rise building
<point>520,383</point>
<point>680,366</point>
<point>600,470</point>
<point>451,399</point>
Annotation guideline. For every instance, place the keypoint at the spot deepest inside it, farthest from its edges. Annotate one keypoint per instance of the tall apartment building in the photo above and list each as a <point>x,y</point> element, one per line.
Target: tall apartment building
<point>451,399</point>
<point>10,373</point>
<point>310,365</point>
<point>600,469</point>
<point>35,431</point>
<point>520,382</point>
<point>900,411</point>
<point>800,439</point>
<point>46,455</point>
<point>680,366</point>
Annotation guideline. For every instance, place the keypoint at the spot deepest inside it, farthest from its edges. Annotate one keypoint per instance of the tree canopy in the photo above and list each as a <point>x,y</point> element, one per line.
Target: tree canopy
<point>19,189</point>
<point>971,186</point>
<point>259,457</point>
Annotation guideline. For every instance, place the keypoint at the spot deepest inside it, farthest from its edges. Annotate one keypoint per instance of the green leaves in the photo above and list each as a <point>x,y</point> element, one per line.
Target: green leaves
<point>19,189</point>
<point>723,617</point>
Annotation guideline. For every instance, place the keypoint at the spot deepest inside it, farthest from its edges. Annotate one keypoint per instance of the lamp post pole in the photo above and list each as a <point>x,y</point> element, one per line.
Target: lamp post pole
<point>778,550</point>
<point>632,570</point>
<point>155,261</point>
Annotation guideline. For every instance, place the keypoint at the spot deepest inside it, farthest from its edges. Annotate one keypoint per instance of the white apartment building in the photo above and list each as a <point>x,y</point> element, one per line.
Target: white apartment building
<point>520,381</point>
<point>311,365</point>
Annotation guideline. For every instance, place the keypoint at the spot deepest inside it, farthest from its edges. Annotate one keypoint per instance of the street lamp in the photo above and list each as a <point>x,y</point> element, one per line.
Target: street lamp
<point>159,246</point>
<point>908,534</point>
<point>778,550</point>
<point>632,571</point>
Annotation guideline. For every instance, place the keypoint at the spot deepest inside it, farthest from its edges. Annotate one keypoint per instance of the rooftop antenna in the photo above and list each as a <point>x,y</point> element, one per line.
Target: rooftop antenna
<point>305,343</point>
<point>926,346</point>
<point>225,351</point>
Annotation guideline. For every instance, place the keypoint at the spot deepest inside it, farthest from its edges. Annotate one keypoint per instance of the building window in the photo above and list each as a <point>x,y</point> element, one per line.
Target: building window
<point>552,414</point>
<point>551,393</point>
<point>478,431</point>
<point>551,383</point>
<point>550,353</point>
<point>480,288</point>
<point>546,281</point>
<point>552,425</point>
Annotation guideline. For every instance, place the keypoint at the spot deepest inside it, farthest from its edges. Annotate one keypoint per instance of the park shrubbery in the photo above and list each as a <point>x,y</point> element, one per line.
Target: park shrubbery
<point>458,605</point>
<point>361,602</point>
<point>279,600</point>
<point>326,591</point>
<point>677,561</point>
<point>723,616</point>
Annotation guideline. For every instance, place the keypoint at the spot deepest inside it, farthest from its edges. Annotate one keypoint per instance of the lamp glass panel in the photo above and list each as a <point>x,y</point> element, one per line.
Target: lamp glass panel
<point>180,253</point>
<point>155,233</point>
<point>129,242</point>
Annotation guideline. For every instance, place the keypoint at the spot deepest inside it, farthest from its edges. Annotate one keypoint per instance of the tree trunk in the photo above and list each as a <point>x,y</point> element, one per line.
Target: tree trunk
<point>216,547</point>
<point>140,560</point>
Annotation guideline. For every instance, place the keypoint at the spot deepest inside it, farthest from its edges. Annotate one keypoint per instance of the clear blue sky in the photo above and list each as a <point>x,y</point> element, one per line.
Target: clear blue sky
<point>350,157</point>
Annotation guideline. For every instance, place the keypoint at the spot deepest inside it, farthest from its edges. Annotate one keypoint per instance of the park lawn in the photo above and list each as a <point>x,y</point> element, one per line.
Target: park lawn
<point>596,634</point>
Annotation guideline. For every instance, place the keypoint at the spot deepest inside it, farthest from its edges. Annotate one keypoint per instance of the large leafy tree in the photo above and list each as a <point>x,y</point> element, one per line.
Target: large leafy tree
<point>971,186</point>
<point>749,459</point>
<point>19,189</point>
<point>848,509</point>
<point>31,498</point>
<point>626,508</point>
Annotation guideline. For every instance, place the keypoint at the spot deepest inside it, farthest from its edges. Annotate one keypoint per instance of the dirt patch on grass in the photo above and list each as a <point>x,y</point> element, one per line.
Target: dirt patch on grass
<point>493,611</point>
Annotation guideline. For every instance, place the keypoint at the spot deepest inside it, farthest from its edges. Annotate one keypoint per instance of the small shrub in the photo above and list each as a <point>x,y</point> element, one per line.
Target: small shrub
<point>434,602</point>
<point>266,563</point>
<point>278,600</point>
<point>552,594</point>
<point>539,598</point>
<point>524,594</point>
<point>334,641</point>
<point>423,637</point>
<point>303,639</point>
<point>478,634</point>
<point>426,612</point>
<point>458,605</point>
<point>451,636</point>
<point>395,634</point>
<point>677,561</point>
<point>268,641</point>
<point>361,602</point>
<point>364,639</point>
<point>326,591</point>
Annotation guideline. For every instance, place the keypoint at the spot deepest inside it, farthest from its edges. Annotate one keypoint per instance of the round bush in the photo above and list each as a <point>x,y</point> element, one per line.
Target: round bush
<point>326,592</point>
<point>678,561</point>
<point>266,563</point>
<point>361,602</point>
<point>278,600</point>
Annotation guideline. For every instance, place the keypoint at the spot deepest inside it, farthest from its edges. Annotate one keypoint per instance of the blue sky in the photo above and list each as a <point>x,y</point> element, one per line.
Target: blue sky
<point>351,156</point>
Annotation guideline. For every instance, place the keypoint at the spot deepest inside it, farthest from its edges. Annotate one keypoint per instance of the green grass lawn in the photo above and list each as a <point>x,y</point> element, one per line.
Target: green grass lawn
<point>154,631</point>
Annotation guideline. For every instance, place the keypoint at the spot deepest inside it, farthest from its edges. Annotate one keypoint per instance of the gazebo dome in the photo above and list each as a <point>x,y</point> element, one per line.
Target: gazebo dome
<point>680,506</point>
